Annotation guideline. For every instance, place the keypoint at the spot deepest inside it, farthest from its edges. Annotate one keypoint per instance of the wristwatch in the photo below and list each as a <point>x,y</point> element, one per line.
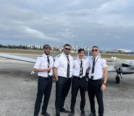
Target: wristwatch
<point>104,83</point>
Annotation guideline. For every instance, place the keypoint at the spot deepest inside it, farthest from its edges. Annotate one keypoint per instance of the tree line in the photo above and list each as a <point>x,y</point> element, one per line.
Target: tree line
<point>17,47</point>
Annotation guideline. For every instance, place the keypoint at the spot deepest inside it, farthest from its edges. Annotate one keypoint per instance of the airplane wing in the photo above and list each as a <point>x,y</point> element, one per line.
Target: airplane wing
<point>121,60</point>
<point>111,69</point>
<point>17,58</point>
<point>56,54</point>
<point>25,59</point>
<point>31,60</point>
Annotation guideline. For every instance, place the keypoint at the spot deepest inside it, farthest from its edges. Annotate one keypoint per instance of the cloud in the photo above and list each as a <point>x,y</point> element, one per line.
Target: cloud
<point>37,34</point>
<point>96,22</point>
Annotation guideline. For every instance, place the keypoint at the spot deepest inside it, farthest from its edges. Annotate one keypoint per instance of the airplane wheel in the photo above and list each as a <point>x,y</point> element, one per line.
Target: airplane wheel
<point>117,80</point>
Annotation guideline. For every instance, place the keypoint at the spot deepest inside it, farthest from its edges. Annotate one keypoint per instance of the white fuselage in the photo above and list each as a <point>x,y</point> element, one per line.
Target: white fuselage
<point>124,69</point>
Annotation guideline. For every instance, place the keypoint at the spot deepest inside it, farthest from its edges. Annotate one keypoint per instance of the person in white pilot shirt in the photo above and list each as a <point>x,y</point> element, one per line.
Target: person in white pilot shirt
<point>63,67</point>
<point>43,66</point>
<point>97,81</point>
<point>80,66</point>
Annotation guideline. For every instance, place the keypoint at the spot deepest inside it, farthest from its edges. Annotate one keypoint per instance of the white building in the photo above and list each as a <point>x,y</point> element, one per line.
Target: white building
<point>124,51</point>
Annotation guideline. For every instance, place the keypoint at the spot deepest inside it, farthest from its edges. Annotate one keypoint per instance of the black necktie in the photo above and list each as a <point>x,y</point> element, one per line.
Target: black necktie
<point>81,69</point>
<point>68,67</point>
<point>48,61</point>
<point>93,68</point>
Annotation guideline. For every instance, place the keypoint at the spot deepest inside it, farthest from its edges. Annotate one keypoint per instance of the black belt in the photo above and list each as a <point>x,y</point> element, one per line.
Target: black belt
<point>46,78</point>
<point>64,77</point>
<point>78,77</point>
<point>95,80</point>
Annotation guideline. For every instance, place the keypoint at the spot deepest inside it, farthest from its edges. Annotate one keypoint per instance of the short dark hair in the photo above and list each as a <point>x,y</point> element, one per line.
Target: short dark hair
<point>67,45</point>
<point>46,46</point>
<point>95,47</point>
<point>80,50</point>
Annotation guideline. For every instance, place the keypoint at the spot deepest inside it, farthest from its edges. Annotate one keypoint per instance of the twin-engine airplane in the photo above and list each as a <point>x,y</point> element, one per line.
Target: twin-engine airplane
<point>120,67</point>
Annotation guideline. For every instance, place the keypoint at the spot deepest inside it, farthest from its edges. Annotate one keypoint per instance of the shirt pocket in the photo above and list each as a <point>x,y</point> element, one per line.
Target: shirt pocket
<point>85,65</point>
<point>51,64</point>
<point>71,65</point>
<point>44,65</point>
<point>64,64</point>
<point>98,63</point>
<point>76,67</point>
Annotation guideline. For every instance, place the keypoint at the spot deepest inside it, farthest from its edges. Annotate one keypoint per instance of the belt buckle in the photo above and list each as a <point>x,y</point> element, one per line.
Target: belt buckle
<point>92,77</point>
<point>80,76</point>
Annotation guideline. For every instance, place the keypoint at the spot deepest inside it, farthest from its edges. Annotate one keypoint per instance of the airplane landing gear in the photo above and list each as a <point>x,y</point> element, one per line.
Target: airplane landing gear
<point>118,76</point>
<point>117,79</point>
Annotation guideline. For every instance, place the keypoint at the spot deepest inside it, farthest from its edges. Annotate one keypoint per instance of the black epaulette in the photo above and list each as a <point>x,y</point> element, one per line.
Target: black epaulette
<point>40,56</point>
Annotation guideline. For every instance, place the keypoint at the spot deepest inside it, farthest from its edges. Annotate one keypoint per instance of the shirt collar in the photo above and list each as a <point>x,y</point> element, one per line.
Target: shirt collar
<point>66,55</point>
<point>45,55</point>
<point>79,58</point>
<point>96,57</point>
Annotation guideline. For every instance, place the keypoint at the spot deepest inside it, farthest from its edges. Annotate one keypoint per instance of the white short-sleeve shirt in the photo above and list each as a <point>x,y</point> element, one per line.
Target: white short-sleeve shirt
<point>76,67</point>
<point>61,63</point>
<point>100,63</point>
<point>42,63</point>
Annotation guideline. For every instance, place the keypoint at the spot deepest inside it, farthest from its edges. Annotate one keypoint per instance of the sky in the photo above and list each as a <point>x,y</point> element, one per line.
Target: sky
<point>108,24</point>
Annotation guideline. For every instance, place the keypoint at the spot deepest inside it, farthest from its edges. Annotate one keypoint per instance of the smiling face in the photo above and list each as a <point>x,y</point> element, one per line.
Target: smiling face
<point>81,53</point>
<point>67,50</point>
<point>47,49</point>
<point>95,51</point>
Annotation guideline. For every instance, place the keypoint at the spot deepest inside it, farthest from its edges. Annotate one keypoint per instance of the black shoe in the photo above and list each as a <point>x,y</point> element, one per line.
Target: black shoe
<point>83,113</point>
<point>64,110</point>
<point>45,114</point>
<point>57,113</point>
<point>36,115</point>
<point>71,114</point>
<point>92,114</point>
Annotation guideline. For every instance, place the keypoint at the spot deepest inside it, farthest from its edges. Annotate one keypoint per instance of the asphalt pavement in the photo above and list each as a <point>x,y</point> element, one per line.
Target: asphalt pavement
<point>18,90</point>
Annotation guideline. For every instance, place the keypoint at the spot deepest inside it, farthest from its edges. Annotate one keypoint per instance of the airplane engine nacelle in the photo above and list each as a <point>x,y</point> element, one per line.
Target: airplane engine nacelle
<point>132,65</point>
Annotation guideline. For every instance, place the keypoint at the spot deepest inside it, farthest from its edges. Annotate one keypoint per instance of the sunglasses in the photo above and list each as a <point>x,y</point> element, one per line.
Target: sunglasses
<point>47,48</point>
<point>94,50</point>
<point>67,49</point>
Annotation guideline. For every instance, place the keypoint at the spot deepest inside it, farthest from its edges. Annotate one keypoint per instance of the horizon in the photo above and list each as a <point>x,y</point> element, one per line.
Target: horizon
<point>72,46</point>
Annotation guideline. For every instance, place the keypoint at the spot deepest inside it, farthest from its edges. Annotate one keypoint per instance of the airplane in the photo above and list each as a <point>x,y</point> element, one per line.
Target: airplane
<point>121,66</point>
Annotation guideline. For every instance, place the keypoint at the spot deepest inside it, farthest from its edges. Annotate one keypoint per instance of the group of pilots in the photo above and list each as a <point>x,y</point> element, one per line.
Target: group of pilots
<point>74,73</point>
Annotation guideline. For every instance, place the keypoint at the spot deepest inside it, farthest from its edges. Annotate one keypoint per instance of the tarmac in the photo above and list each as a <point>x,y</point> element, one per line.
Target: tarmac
<point>18,89</point>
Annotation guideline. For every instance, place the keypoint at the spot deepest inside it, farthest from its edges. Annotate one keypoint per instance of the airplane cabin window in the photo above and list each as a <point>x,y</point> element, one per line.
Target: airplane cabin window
<point>125,65</point>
